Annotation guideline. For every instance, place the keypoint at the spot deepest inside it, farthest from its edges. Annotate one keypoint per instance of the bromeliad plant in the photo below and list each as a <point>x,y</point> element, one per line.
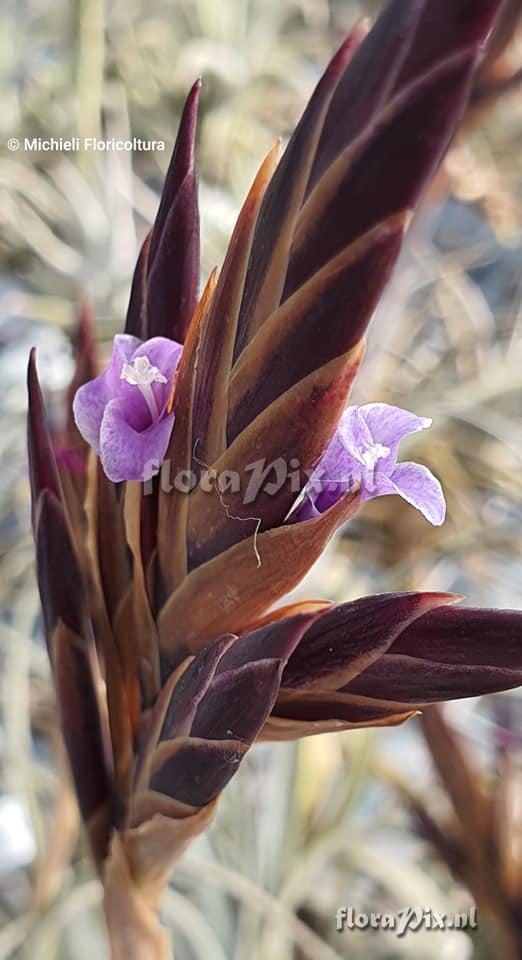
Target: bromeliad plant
<point>158,583</point>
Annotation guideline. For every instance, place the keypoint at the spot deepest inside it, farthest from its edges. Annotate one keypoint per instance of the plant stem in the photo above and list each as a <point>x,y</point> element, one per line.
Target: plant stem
<point>132,914</point>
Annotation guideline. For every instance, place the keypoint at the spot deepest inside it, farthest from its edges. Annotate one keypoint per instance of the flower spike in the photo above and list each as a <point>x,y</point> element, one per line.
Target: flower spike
<point>169,657</point>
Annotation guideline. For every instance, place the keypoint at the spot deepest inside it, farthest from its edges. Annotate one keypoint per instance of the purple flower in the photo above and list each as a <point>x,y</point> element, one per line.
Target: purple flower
<point>364,450</point>
<point>123,413</point>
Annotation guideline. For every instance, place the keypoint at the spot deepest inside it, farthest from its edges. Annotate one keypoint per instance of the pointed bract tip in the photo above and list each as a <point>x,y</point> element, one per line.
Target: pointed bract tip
<point>350,44</point>
<point>191,104</point>
<point>431,599</point>
<point>31,363</point>
<point>43,472</point>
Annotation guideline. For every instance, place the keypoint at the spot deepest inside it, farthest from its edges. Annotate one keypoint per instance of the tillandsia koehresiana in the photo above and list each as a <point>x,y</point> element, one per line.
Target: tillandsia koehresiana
<point>158,563</point>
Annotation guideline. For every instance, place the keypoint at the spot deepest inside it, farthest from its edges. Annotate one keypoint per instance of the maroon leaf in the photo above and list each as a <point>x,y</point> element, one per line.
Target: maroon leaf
<point>324,319</point>
<point>445,27</point>
<point>166,279</point>
<point>276,640</point>
<point>364,87</point>
<point>449,653</point>
<point>378,659</point>
<point>231,712</point>
<point>342,708</point>
<point>215,351</point>
<point>76,679</point>
<point>60,581</point>
<point>43,472</point>
<point>276,222</point>
<point>191,687</point>
<point>347,638</point>
<point>173,260</point>
<point>181,164</point>
<point>238,702</point>
<point>173,279</point>
<point>198,770</point>
<point>412,135</point>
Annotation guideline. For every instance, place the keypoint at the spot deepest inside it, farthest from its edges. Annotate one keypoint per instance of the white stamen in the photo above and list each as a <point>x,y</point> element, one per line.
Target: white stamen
<point>141,373</point>
<point>372,454</point>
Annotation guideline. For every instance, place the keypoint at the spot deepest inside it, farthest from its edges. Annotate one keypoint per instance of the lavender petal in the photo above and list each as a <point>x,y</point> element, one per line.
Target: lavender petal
<point>417,485</point>
<point>164,354</point>
<point>337,471</point>
<point>91,399</point>
<point>129,454</point>
<point>354,433</point>
<point>388,425</point>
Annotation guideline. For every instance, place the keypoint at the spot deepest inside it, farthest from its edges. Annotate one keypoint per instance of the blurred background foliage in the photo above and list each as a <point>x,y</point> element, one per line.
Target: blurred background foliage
<point>344,820</point>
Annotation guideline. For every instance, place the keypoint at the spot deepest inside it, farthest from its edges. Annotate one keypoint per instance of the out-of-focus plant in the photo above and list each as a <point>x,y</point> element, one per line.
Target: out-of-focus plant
<point>474,174</point>
<point>479,839</point>
<point>167,658</point>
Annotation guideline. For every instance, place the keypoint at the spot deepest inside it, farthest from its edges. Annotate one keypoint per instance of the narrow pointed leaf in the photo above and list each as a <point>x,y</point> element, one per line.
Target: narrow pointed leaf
<point>365,713</point>
<point>166,278</point>
<point>323,705</point>
<point>76,677</point>
<point>276,223</point>
<point>43,472</point>
<point>446,27</point>
<point>325,318</point>
<point>181,164</point>
<point>346,639</point>
<point>449,653</point>
<point>363,89</point>
<point>173,261</point>
<point>353,196</point>
<point>218,337</point>
<point>60,581</point>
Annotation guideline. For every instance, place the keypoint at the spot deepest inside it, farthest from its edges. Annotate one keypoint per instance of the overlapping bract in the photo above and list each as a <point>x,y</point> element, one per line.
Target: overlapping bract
<point>167,595</point>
